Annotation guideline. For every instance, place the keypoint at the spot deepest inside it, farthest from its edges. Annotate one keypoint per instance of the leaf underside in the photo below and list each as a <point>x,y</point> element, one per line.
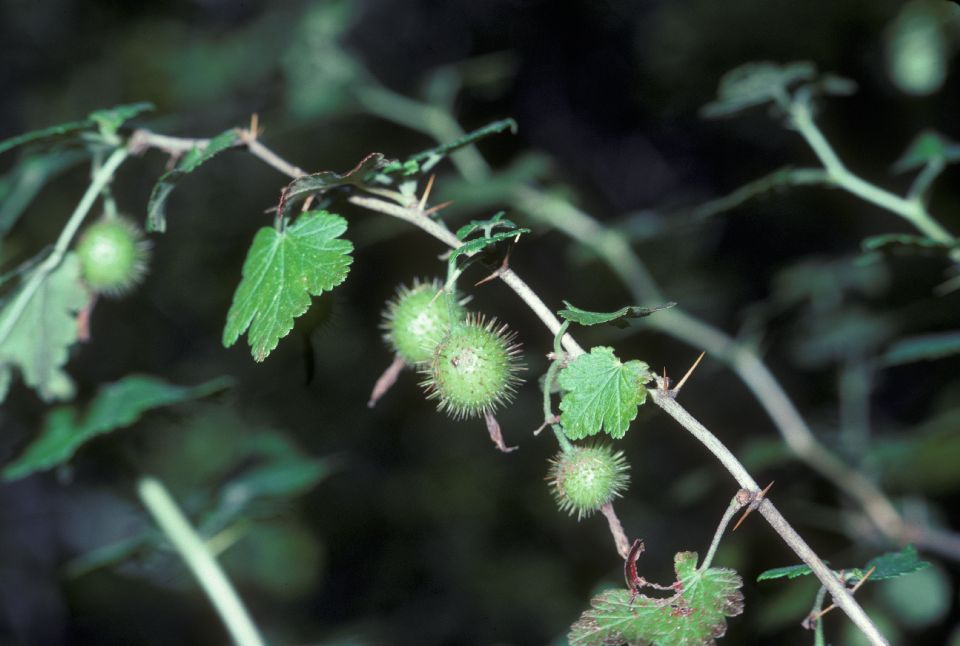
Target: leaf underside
<point>695,616</point>
<point>282,271</point>
<point>193,159</point>
<point>39,340</point>
<point>602,394</point>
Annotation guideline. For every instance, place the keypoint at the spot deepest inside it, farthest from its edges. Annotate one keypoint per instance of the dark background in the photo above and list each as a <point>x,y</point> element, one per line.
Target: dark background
<point>426,535</point>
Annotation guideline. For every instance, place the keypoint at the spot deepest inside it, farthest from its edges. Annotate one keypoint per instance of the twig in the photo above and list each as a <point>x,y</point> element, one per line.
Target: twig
<point>195,554</point>
<point>912,210</point>
<point>616,529</point>
<point>741,498</point>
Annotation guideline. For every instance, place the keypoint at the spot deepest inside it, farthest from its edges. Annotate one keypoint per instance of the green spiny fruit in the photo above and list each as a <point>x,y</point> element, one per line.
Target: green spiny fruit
<point>473,369</point>
<point>417,318</point>
<point>586,478</point>
<point>113,256</point>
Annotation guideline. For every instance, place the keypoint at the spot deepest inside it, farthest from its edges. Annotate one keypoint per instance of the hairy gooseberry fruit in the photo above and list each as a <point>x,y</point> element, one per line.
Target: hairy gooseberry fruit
<point>586,478</point>
<point>417,318</point>
<point>473,369</point>
<point>113,256</point>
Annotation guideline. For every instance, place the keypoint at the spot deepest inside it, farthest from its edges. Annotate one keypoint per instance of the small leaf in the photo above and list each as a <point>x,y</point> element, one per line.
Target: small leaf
<point>427,159</point>
<point>928,146</point>
<point>789,571</point>
<point>51,132</point>
<point>924,347</point>
<point>110,119</point>
<point>40,336</point>
<point>476,245</point>
<point>321,182</point>
<point>195,157</point>
<point>498,221</point>
<point>277,469</point>
<point>903,241</point>
<point>602,394</point>
<point>755,84</point>
<point>117,405</point>
<point>694,616</point>
<point>895,564</point>
<point>616,318</point>
<point>282,271</point>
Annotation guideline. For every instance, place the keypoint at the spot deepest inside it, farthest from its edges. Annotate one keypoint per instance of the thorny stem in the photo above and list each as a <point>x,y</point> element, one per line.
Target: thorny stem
<point>613,248</point>
<point>201,562</point>
<point>841,595</point>
<point>100,179</point>
<point>726,458</point>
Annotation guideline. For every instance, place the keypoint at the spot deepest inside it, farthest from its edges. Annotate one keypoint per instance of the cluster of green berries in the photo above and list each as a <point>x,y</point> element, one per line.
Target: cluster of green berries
<point>469,366</point>
<point>468,363</point>
<point>113,256</point>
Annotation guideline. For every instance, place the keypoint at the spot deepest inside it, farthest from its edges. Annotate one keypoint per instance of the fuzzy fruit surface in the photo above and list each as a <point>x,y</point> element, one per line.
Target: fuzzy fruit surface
<point>473,368</point>
<point>417,319</point>
<point>112,256</point>
<point>588,477</point>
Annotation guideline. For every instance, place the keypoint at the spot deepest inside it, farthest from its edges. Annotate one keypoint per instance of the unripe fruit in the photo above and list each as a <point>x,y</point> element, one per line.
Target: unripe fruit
<point>472,371</point>
<point>586,478</point>
<point>113,256</point>
<point>417,318</point>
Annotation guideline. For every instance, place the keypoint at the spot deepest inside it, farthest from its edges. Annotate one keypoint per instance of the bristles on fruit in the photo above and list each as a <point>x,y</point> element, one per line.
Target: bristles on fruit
<point>417,318</point>
<point>586,478</point>
<point>473,369</point>
<point>113,256</point>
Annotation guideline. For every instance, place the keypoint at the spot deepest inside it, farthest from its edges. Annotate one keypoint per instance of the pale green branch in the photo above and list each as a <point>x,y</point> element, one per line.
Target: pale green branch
<point>201,562</point>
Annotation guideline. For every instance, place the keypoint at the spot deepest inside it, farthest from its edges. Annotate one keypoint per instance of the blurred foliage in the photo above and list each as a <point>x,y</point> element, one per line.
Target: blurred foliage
<point>424,536</point>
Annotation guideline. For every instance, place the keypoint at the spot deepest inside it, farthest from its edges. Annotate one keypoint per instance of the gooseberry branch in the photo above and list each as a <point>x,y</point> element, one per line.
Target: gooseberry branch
<point>662,398</point>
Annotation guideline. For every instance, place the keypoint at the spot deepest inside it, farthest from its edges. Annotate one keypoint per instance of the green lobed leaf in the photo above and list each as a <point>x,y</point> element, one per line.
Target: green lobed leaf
<point>789,571</point>
<point>602,394</point>
<point>282,271</point>
<point>109,120</point>
<point>924,347</point>
<point>616,318</point>
<point>117,405</point>
<point>895,564</point>
<point>319,183</point>
<point>39,338</point>
<point>194,158</point>
<point>696,615</point>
